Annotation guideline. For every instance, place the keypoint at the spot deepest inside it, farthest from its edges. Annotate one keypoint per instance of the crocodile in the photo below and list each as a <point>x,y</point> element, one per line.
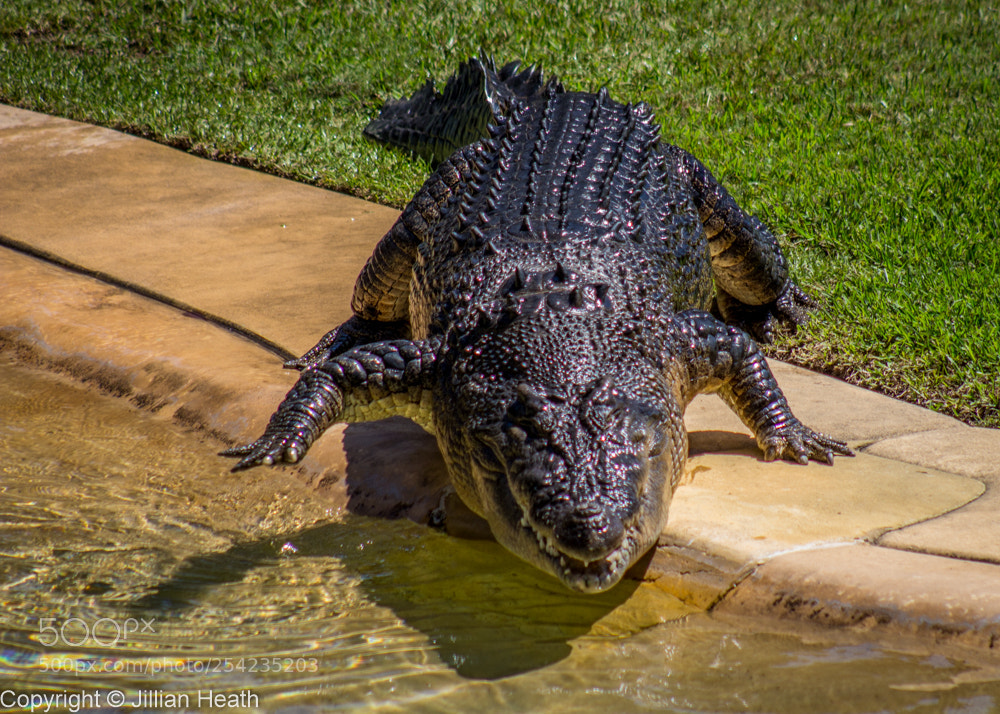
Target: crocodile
<point>547,305</point>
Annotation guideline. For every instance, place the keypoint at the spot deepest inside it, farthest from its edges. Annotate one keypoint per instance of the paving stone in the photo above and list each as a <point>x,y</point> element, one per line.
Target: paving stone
<point>277,257</point>
<point>736,506</point>
<point>134,348</point>
<point>960,450</point>
<point>865,586</point>
<point>973,531</point>
<point>189,370</point>
<point>693,576</point>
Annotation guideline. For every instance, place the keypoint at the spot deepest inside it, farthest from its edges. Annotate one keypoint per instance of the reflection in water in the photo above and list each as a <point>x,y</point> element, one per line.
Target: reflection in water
<point>132,560</point>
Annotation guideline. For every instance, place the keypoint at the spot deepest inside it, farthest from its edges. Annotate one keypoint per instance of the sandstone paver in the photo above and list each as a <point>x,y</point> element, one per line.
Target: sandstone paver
<point>972,532</point>
<point>189,370</point>
<point>865,586</point>
<point>277,257</point>
<point>742,508</point>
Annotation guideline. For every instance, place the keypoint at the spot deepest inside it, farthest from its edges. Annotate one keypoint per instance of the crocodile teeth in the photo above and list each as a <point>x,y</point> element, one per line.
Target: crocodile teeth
<point>615,559</point>
<point>546,544</point>
<point>574,568</point>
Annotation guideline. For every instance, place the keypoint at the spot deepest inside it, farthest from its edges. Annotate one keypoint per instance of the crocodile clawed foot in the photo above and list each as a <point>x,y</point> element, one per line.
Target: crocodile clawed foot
<point>267,450</point>
<point>299,363</point>
<point>799,443</point>
<point>332,342</point>
<point>788,311</point>
<point>764,331</point>
<point>793,305</point>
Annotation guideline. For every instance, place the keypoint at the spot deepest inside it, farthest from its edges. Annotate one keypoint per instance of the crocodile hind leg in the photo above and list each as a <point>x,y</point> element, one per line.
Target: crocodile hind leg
<point>723,359</point>
<point>363,384</point>
<point>753,290</point>
<point>381,294</point>
<point>354,331</point>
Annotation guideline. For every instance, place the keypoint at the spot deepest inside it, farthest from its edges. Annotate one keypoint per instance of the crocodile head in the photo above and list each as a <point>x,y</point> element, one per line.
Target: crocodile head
<point>575,478</point>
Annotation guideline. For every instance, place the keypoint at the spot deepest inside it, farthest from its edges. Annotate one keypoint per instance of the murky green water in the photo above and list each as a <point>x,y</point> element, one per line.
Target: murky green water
<point>138,574</point>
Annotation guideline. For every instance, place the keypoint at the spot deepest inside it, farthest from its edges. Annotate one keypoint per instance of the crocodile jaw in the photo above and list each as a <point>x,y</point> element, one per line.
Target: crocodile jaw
<point>513,529</point>
<point>593,577</point>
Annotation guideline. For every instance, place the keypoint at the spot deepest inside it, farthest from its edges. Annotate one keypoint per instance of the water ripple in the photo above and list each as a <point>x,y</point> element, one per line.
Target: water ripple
<point>130,559</point>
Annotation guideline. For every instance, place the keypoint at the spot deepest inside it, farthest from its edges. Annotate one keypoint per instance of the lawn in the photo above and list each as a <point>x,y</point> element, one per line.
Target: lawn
<point>865,134</point>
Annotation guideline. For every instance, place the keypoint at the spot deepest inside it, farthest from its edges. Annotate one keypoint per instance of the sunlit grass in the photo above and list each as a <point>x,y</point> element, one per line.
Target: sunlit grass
<point>864,133</point>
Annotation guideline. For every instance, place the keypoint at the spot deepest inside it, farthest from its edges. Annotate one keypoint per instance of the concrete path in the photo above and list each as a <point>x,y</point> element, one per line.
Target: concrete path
<point>905,536</point>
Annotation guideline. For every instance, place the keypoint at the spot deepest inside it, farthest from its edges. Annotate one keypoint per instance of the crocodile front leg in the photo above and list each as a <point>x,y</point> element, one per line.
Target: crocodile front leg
<point>725,360</point>
<point>381,299</point>
<point>366,383</point>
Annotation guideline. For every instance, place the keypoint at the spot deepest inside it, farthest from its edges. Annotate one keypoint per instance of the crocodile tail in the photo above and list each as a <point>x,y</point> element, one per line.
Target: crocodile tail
<point>433,125</point>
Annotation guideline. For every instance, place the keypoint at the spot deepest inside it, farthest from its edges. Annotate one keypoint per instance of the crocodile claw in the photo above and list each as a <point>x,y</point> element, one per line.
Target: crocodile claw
<point>267,450</point>
<point>789,310</point>
<point>797,442</point>
<point>334,341</point>
<point>792,306</point>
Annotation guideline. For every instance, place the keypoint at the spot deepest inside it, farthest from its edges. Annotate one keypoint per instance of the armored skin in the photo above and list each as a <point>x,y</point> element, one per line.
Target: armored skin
<point>542,307</point>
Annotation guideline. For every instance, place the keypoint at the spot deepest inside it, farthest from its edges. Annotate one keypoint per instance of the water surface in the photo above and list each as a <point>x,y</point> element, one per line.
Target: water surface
<point>133,563</point>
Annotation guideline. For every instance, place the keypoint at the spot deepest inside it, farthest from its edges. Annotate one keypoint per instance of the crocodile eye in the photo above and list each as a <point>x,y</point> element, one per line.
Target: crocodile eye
<point>648,428</point>
<point>658,445</point>
<point>659,440</point>
<point>653,436</point>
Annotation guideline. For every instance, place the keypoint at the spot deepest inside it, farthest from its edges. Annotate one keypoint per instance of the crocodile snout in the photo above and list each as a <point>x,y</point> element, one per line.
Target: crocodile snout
<point>589,534</point>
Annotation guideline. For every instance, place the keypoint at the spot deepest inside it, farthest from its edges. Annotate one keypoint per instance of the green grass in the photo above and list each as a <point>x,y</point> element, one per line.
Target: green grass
<point>866,133</point>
